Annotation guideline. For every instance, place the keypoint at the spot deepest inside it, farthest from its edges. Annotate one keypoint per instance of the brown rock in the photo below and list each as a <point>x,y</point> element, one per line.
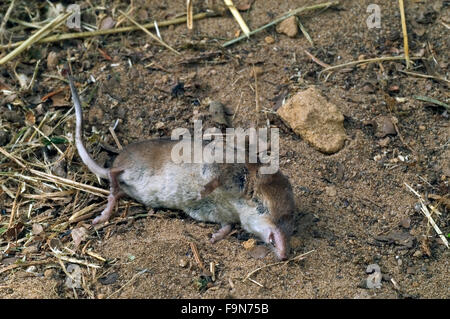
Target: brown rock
<point>288,27</point>
<point>316,120</point>
<point>107,23</point>
<point>49,273</point>
<point>52,60</point>
<point>405,222</point>
<point>384,126</point>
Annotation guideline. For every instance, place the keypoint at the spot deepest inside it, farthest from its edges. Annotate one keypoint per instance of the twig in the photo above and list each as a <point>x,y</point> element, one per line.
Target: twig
<point>325,65</point>
<point>284,17</point>
<point>119,146</point>
<point>154,37</point>
<point>35,37</point>
<point>296,258</point>
<point>95,255</point>
<point>36,68</point>
<point>427,214</point>
<point>77,35</point>
<point>26,264</point>
<point>60,256</point>
<point>405,33</point>
<point>238,17</point>
<point>14,206</point>
<point>129,282</point>
<point>197,256</point>
<point>255,282</point>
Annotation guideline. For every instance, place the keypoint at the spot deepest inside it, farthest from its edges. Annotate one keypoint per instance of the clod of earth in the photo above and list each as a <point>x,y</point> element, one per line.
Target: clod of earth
<point>316,120</point>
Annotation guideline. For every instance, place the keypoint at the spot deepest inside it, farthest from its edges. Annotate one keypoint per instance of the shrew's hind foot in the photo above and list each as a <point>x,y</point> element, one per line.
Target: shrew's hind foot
<point>114,194</point>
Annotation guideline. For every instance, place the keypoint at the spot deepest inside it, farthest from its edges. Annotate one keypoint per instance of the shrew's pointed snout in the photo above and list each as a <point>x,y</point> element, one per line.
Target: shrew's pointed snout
<point>278,239</point>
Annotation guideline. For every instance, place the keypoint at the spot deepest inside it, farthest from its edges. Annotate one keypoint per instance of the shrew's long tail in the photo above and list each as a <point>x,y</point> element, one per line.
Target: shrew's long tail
<point>82,151</point>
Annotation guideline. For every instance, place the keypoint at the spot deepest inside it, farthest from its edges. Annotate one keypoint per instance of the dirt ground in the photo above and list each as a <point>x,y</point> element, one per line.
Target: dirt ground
<point>353,206</point>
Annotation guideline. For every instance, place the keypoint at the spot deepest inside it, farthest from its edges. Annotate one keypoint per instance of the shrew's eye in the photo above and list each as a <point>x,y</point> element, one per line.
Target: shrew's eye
<point>271,241</point>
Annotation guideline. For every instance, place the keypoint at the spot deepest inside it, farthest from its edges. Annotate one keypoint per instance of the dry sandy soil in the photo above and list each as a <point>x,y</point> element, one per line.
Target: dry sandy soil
<point>353,207</point>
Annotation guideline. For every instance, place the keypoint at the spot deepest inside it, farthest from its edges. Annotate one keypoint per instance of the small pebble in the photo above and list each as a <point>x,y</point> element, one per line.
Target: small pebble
<point>159,125</point>
<point>269,40</point>
<point>394,88</point>
<point>182,263</point>
<point>52,60</point>
<point>384,142</point>
<point>405,222</point>
<point>48,273</point>
<point>411,270</point>
<point>418,254</point>
<point>257,70</point>
<point>330,191</point>
<point>422,127</point>
<point>31,269</point>
<point>249,244</point>
<point>376,158</point>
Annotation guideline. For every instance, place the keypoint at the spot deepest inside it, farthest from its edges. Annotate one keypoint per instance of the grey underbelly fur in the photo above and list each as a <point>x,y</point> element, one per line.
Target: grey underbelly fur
<point>178,186</point>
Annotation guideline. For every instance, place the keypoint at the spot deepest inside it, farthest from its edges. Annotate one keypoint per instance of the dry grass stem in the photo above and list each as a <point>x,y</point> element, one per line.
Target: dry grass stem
<point>190,12</point>
<point>5,19</point>
<point>405,33</point>
<point>426,76</point>
<point>154,37</point>
<point>77,35</point>
<point>237,16</point>
<point>113,134</point>
<point>128,283</point>
<point>427,214</point>
<point>283,17</point>
<point>296,258</point>
<point>305,32</point>
<point>364,61</point>
<point>35,37</point>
